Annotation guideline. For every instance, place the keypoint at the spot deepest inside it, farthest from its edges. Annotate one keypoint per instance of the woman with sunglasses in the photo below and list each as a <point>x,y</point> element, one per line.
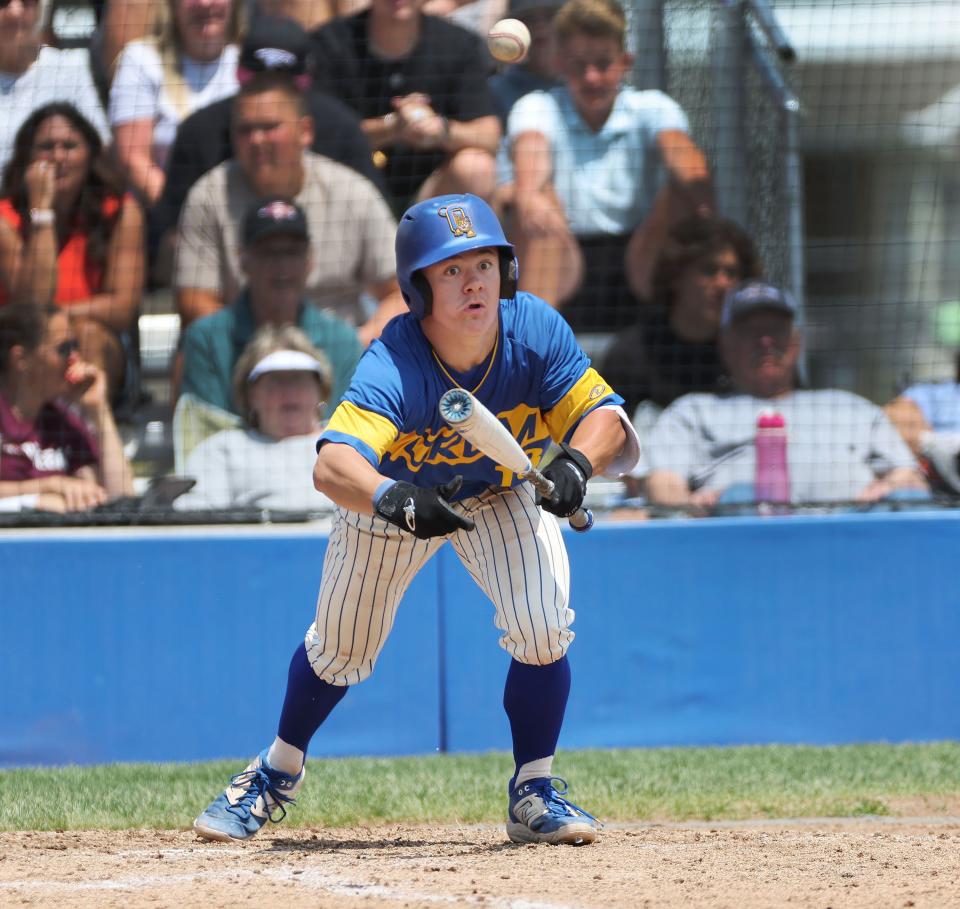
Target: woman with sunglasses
<point>59,446</point>
<point>69,235</point>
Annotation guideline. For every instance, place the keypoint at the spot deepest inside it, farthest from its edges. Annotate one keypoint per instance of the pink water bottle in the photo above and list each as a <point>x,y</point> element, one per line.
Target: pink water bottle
<point>772,478</point>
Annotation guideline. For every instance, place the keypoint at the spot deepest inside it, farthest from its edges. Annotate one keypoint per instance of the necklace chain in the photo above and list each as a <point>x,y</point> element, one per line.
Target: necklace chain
<point>454,383</point>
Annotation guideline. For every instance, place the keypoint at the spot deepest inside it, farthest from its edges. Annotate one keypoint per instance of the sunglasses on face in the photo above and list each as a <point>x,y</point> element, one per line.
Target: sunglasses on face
<point>65,348</point>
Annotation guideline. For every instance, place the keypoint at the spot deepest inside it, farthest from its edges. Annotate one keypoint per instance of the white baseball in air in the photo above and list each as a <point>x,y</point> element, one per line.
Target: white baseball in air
<point>509,40</point>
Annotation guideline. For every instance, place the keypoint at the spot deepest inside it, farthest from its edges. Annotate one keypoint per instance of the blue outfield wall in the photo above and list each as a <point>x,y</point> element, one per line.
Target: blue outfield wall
<point>165,645</point>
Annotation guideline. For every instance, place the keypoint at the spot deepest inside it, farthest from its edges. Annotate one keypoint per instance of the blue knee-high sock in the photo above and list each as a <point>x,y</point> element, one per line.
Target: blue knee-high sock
<point>307,703</point>
<point>535,698</point>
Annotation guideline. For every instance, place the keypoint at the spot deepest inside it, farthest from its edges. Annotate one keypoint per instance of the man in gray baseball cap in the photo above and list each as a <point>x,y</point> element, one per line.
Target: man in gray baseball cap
<point>841,447</point>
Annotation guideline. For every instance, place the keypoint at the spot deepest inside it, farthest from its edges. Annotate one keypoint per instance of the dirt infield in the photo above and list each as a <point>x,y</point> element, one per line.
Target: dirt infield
<point>740,865</point>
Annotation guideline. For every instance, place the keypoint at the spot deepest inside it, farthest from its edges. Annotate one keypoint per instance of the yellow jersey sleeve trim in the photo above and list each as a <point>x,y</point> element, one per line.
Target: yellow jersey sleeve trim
<point>588,391</point>
<point>376,431</point>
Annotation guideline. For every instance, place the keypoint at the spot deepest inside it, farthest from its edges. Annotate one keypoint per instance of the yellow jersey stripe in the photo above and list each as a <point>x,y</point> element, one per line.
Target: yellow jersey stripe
<point>588,390</point>
<point>376,431</point>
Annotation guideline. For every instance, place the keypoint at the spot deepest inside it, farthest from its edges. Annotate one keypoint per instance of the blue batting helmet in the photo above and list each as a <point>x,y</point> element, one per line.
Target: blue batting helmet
<point>434,230</point>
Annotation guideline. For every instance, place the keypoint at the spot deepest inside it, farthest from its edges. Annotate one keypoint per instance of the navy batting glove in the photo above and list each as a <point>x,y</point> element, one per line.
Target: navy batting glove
<point>423,512</point>
<point>569,472</point>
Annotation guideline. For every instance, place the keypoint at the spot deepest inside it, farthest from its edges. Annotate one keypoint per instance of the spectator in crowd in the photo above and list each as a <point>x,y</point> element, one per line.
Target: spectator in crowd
<point>308,14</point>
<point>477,16</point>
<point>926,409</point>
<point>70,235</point>
<point>672,349</point>
<point>59,446</point>
<point>276,259</point>
<point>32,75</point>
<point>121,22</point>
<point>189,62</point>
<point>927,414</point>
<point>280,383</point>
<point>350,225</point>
<point>590,205</point>
<point>273,45</point>
<point>841,446</point>
<point>419,84</point>
<point>539,70</point>
<point>128,20</point>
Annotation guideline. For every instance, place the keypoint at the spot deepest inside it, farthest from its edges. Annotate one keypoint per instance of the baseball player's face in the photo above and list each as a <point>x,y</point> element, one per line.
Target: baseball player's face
<point>286,403</point>
<point>466,293</point>
<point>760,350</point>
<point>593,69</point>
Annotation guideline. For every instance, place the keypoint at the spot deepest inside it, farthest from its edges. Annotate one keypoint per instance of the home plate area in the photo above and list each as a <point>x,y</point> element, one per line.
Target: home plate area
<point>740,865</point>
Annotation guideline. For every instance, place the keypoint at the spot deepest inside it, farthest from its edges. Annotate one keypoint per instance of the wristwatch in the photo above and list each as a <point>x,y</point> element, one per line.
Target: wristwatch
<point>42,217</point>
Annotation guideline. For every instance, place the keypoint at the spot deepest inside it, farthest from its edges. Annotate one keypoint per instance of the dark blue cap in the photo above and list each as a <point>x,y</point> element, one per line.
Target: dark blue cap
<point>753,295</point>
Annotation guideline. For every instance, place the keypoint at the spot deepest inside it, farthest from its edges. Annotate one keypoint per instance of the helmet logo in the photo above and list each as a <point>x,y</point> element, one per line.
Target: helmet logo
<point>458,221</point>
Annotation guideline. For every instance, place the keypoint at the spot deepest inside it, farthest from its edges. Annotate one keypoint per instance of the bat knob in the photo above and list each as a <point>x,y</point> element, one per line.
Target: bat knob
<point>456,405</point>
<point>582,521</point>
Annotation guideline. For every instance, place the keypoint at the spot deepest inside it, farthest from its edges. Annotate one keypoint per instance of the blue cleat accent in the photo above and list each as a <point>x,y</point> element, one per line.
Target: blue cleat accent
<point>252,798</point>
<point>539,814</point>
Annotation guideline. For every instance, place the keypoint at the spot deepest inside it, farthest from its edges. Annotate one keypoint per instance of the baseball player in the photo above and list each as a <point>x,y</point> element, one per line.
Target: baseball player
<point>406,483</point>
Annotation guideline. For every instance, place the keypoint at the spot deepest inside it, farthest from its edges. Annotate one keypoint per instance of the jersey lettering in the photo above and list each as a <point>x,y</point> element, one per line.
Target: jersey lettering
<point>443,446</point>
<point>447,446</point>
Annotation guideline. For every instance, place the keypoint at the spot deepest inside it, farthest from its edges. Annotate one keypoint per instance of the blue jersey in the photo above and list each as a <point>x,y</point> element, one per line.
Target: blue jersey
<point>537,381</point>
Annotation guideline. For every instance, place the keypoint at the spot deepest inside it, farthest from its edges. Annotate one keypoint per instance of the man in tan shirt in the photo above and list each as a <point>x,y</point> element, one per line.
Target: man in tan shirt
<point>351,227</point>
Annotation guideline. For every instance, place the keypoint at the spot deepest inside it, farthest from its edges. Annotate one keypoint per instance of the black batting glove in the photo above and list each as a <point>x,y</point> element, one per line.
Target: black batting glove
<point>423,512</point>
<point>569,472</point>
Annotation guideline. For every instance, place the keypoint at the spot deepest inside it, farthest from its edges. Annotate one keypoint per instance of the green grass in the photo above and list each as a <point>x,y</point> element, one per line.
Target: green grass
<point>676,783</point>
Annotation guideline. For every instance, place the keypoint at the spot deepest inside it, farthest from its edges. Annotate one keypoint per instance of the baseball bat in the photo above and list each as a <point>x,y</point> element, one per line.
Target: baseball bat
<point>464,413</point>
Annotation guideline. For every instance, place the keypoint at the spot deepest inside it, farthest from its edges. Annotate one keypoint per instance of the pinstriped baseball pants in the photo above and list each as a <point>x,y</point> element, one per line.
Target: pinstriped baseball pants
<point>515,554</point>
